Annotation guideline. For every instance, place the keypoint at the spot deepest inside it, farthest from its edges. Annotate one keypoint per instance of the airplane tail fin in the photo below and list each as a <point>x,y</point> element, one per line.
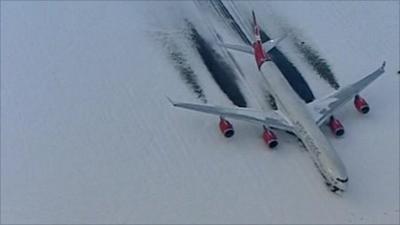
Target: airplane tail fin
<point>256,27</point>
<point>257,32</point>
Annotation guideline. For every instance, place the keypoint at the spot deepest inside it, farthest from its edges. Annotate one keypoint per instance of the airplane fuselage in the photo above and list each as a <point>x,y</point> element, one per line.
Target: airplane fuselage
<point>294,115</point>
<point>295,110</point>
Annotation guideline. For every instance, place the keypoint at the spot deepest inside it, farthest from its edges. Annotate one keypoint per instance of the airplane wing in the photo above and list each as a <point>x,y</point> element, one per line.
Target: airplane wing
<point>323,108</point>
<point>270,119</point>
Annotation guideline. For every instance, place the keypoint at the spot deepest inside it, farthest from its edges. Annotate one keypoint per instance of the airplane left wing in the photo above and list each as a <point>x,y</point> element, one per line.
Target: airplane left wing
<point>323,108</point>
<point>270,119</point>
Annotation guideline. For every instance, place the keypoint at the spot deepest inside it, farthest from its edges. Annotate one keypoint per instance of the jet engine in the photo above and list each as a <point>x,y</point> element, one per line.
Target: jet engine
<point>336,126</point>
<point>361,105</point>
<point>226,128</point>
<point>270,138</point>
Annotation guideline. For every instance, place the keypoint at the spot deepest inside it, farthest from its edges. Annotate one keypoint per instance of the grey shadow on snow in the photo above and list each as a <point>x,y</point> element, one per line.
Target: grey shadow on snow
<point>221,71</point>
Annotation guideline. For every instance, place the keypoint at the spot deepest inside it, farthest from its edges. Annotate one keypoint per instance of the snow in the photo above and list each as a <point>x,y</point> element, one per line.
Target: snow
<point>88,136</point>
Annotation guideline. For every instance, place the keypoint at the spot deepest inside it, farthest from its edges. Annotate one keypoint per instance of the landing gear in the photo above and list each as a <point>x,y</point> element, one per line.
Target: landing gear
<point>272,102</point>
<point>334,189</point>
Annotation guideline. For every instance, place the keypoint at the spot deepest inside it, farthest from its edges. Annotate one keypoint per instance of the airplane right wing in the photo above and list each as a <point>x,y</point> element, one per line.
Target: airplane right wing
<point>271,119</point>
<point>323,108</point>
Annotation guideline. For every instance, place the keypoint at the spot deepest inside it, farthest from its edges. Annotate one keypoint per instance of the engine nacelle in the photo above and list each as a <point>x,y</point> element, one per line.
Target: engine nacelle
<point>226,128</point>
<point>270,138</point>
<point>336,126</point>
<point>361,105</point>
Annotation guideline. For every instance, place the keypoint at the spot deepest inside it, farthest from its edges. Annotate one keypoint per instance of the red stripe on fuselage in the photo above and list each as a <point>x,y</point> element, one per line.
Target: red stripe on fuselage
<point>260,54</point>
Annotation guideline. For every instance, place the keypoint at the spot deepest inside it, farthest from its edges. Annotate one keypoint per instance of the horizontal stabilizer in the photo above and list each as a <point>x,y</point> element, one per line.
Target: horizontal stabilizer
<point>240,48</point>
<point>269,45</point>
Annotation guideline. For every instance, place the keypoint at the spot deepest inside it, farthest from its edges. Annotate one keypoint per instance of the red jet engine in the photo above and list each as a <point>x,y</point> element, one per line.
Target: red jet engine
<point>270,138</point>
<point>226,128</point>
<point>336,126</point>
<point>361,105</point>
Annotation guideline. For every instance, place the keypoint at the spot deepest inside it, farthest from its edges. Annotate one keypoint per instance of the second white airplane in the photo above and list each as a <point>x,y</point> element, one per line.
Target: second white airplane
<point>293,114</point>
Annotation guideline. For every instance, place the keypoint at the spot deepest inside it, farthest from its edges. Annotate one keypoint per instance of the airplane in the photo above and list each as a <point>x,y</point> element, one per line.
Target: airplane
<point>294,115</point>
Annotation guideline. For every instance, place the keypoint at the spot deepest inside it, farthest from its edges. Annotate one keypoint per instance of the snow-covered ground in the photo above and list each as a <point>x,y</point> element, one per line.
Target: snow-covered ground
<point>87,135</point>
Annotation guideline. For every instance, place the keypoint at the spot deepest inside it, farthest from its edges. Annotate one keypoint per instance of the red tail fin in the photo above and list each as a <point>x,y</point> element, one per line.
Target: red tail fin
<point>257,35</point>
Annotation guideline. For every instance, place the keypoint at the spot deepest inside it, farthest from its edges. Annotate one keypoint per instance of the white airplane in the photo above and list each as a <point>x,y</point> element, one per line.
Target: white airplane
<point>293,114</point>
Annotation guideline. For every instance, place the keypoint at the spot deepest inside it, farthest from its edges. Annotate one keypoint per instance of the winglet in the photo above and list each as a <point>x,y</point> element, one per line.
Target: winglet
<point>383,65</point>
<point>170,100</point>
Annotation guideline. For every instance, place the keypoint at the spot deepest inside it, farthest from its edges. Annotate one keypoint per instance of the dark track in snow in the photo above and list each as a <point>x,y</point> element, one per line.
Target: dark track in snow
<point>180,63</point>
<point>319,64</point>
<point>223,11</point>
<point>220,70</point>
<point>187,74</point>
